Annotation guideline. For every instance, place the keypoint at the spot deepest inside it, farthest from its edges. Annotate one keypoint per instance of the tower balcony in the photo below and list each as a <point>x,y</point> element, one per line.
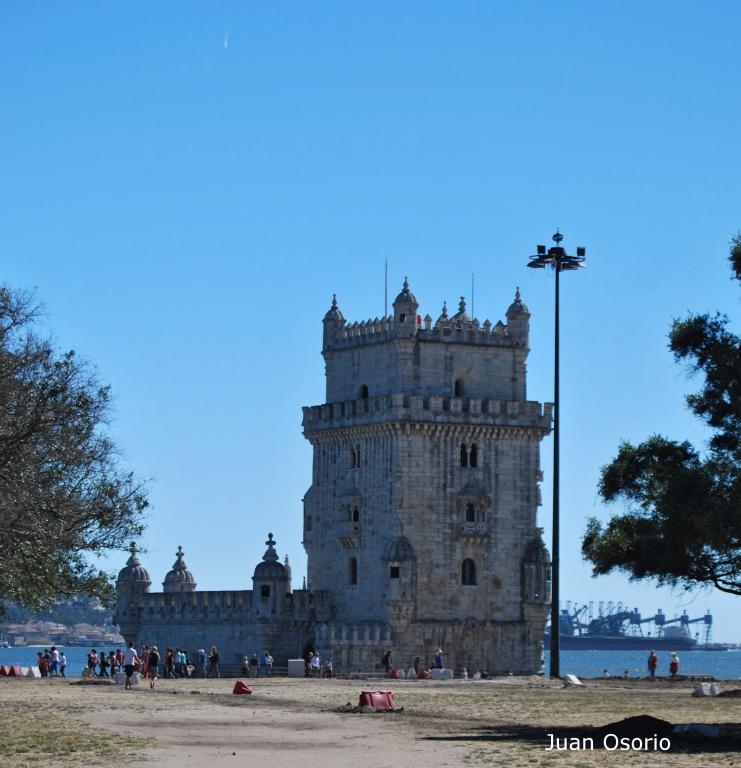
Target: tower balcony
<point>473,530</point>
<point>433,409</point>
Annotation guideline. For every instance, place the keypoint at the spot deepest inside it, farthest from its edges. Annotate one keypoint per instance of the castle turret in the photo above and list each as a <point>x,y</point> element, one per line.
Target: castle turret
<point>179,579</point>
<point>518,321</point>
<point>132,583</point>
<point>536,572</point>
<point>405,312</point>
<point>536,593</point>
<point>271,582</point>
<point>334,322</point>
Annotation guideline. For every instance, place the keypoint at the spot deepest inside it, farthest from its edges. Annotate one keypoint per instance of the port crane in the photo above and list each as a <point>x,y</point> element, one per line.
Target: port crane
<point>618,619</point>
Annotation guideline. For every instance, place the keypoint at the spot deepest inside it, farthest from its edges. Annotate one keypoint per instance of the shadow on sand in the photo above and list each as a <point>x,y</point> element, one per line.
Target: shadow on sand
<point>645,729</point>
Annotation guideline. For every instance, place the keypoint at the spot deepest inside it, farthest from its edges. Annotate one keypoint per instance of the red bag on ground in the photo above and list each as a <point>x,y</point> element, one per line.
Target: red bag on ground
<point>377,699</point>
<point>240,687</point>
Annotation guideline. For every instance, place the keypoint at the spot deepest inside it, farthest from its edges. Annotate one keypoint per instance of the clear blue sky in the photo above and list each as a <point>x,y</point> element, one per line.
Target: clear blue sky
<point>187,184</point>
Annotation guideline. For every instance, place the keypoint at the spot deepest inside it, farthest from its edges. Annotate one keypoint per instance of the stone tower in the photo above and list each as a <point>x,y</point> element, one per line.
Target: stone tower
<point>420,522</point>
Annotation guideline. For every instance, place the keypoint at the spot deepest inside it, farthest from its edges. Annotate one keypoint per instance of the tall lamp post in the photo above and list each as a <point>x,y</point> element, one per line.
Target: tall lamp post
<point>556,258</point>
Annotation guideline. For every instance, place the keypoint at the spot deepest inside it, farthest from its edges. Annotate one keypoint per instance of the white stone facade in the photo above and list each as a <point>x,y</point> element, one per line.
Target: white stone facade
<point>421,517</point>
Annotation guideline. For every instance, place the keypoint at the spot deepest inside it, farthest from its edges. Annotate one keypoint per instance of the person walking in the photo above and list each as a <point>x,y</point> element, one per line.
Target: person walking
<point>153,666</point>
<point>130,660</point>
<point>653,662</point>
<point>62,663</point>
<point>386,661</point>
<point>213,662</point>
<point>103,662</point>
<point>201,662</point>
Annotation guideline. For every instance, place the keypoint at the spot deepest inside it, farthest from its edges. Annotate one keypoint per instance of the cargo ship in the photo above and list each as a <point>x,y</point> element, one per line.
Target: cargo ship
<point>615,628</point>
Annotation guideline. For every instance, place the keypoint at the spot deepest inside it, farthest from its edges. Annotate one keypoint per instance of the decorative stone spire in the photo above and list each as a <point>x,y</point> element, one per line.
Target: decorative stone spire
<point>179,579</point>
<point>461,316</point>
<point>517,305</point>
<point>443,315</point>
<point>334,312</point>
<point>179,564</point>
<point>270,556</point>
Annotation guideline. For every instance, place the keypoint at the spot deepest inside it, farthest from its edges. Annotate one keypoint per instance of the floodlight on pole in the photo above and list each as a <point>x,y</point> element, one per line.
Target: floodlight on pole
<point>560,261</point>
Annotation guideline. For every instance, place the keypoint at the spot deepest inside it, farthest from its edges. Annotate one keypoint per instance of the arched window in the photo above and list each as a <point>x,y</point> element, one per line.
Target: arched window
<point>458,388</point>
<point>468,572</point>
<point>473,456</point>
<point>363,394</point>
<point>353,571</point>
<point>470,512</point>
<point>464,455</point>
<point>355,515</point>
<point>264,590</point>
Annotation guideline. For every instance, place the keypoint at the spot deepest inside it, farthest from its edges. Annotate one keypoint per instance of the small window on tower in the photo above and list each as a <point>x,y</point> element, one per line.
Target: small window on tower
<point>458,388</point>
<point>394,572</point>
<point>402,318</point>
<point>265,590</point>
<point>470,512</point>
<point>363,392</point>
<point>353,571</point>
<point>473,456</point>
<point>468,573</point>
<point>464,456</point>
<point>355,515</point>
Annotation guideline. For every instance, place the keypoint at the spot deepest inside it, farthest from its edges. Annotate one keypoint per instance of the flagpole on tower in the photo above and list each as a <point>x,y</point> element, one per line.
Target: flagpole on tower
<point>386,288</point>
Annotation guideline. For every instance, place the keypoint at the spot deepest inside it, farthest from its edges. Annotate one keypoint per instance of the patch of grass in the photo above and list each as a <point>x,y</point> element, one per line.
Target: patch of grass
<point>36,735</point>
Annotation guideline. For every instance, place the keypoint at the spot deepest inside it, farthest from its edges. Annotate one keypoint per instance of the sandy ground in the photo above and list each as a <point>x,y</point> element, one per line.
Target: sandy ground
<point>286,723</point>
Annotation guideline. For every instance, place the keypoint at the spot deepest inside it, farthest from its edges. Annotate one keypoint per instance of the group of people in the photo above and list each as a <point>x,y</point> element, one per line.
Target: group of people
<point>653,663</point>
<point>52,662</point>
<point>102,664</point>
<point>252,666</point>
<point>147,662</point>
<point>175,664</point>
<point>313,666</point>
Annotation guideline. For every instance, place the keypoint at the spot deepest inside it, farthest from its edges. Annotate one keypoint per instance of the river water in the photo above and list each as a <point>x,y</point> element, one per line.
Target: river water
<point>722,665</point>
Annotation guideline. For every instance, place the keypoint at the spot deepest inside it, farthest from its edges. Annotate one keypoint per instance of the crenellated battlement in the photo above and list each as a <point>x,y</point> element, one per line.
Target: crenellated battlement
<point>406,323</point>
<point>433,409</point>
<point>383,330</point>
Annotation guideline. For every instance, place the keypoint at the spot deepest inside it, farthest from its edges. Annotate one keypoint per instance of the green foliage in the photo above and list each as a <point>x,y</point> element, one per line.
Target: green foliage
<point>683,524</point>
<point>62,493</point>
